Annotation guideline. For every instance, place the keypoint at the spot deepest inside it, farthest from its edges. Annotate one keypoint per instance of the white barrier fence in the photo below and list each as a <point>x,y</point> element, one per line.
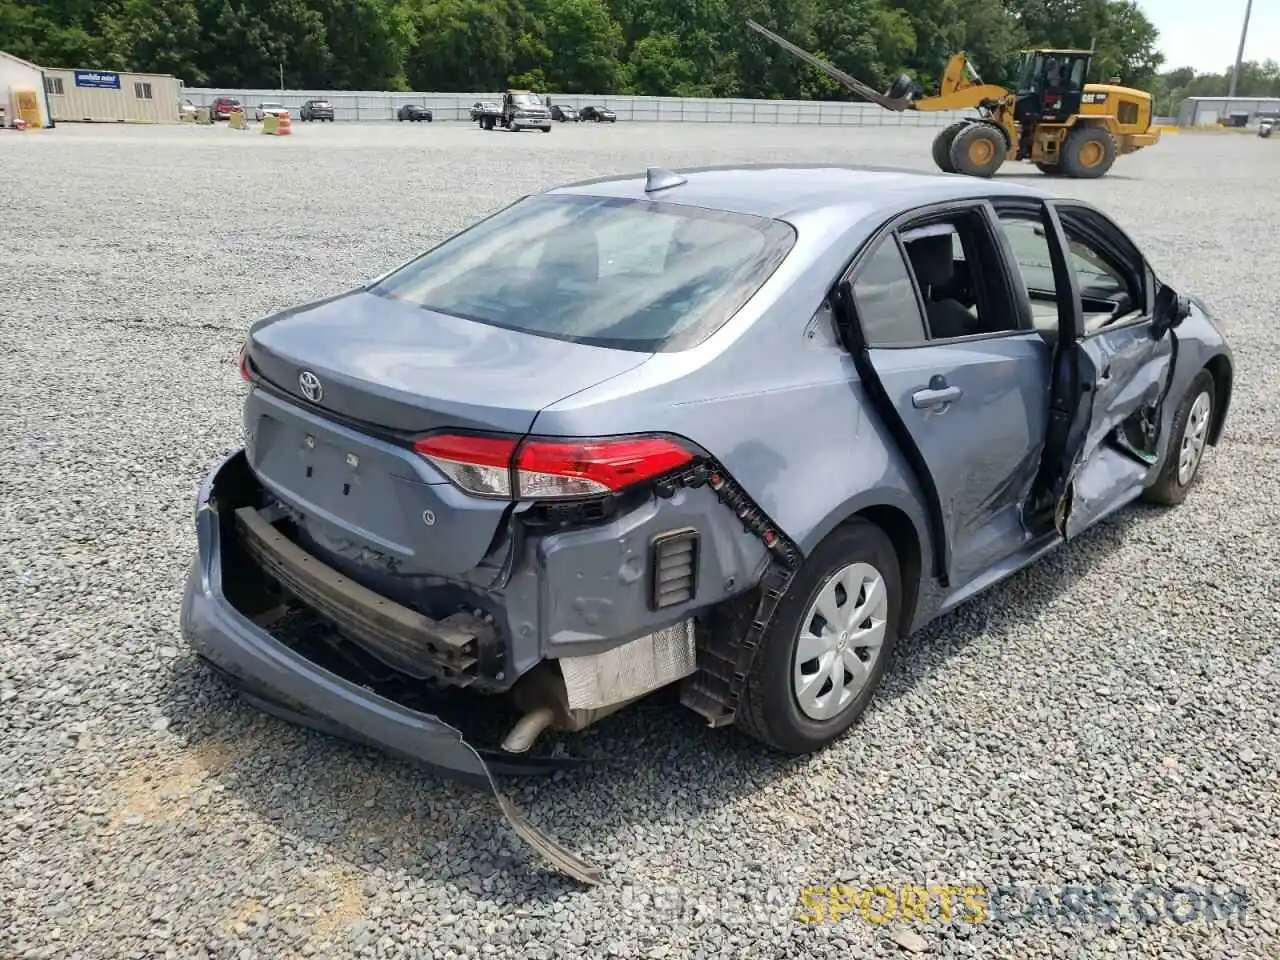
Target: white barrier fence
<point>367,106</point>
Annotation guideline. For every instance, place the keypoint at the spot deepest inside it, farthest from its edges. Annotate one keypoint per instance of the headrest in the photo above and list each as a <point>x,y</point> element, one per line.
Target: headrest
<point>931,257</point>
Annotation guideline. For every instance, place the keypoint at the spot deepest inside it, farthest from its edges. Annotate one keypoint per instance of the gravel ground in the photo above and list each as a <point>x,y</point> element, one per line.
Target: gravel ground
<point>1107,718</point>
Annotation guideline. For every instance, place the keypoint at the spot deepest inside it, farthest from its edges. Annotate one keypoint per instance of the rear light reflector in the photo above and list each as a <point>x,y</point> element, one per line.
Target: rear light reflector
<point>479,465</point>
<point>546,469</point>
<point>245,375</point>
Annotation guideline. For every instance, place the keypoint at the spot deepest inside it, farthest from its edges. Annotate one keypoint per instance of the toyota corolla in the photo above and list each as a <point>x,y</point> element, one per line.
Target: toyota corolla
<point>734,429</point>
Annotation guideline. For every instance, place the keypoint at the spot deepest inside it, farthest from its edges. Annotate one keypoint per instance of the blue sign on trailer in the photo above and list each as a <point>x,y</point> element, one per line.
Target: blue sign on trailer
<point>97,78</point>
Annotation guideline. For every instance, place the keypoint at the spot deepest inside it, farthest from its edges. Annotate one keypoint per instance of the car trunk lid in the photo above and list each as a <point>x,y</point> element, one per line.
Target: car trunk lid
<point>396,366</point>
<point>386,370</point>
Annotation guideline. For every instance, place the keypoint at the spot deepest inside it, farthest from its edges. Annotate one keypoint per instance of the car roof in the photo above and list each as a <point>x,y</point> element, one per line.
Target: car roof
<point>785,190</point>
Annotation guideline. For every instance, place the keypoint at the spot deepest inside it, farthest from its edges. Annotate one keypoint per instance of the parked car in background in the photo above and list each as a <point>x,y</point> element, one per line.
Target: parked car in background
<point>1265,126</point>
<point>221,107</point>
<point>414,112</point>
<point>269,109</point>
<point>316,110</point>
<point>741,440</point>
<point>187,109</point>
<point>521,110</point>
<point>484,108</point>
<point>563,113</point>
<point>599,114</point>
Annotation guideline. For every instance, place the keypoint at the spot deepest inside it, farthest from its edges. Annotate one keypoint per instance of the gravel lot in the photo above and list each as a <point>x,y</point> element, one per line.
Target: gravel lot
<point>1107,718</point>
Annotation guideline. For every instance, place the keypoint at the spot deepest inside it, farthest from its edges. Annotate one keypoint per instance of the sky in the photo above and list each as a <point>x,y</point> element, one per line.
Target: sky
<point>1194,33</point>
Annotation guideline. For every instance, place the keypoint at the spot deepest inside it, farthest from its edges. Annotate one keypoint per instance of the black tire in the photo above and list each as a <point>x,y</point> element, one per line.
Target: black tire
<point>1168,489</point>
<point>1088,153</point>
<point>900,88</point>
<point>978,150</point>
<point>1049,169</point>
<point>942,145</point>
<point>768,711</point>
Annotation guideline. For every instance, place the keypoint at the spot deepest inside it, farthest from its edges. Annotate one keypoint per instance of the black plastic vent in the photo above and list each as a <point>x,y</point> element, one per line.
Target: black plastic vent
<point>673,568</point>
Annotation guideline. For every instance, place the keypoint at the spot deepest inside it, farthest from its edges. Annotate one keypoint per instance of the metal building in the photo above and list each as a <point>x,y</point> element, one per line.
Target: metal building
<point>107,95</point>
<point>22,93</point>
<point>1207,111</point>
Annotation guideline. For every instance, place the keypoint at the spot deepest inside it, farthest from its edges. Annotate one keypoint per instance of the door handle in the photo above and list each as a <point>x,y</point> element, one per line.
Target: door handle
<point>937,395</point>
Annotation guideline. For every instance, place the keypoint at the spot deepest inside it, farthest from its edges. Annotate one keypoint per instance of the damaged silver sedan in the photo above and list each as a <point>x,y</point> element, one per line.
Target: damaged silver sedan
<point>734,429</point>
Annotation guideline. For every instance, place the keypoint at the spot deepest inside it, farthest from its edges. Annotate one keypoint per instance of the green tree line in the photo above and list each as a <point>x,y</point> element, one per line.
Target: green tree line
<point>654,47</point>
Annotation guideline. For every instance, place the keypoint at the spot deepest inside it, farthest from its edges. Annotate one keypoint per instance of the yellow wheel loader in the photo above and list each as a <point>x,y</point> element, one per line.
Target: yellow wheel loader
<point>1065,126</point>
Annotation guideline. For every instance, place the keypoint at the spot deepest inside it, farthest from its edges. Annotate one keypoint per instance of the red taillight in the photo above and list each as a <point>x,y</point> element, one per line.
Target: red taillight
<point>545,469</point>
<point>244,364</point>
<point>552,469</point>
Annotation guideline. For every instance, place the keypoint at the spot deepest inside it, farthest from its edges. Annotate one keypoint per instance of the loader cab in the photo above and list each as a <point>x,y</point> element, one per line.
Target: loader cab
<point>1051,85</point>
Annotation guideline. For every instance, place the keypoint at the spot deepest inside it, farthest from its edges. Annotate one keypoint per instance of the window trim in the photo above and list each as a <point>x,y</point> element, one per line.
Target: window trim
<point>919,217</point>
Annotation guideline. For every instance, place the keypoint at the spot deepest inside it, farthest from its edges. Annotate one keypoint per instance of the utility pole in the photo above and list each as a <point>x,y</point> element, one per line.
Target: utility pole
<point>1244,32</point>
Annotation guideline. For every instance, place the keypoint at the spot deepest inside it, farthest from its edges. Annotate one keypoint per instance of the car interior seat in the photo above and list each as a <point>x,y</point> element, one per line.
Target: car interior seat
<point>932,260</point>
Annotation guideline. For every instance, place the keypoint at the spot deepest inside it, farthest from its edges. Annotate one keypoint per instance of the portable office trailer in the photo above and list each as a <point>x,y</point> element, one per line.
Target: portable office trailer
<point>22,93</point>
<point>111,96</point>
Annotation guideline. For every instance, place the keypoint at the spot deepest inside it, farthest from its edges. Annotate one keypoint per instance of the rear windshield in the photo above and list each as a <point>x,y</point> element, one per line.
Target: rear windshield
<point>630,274</point>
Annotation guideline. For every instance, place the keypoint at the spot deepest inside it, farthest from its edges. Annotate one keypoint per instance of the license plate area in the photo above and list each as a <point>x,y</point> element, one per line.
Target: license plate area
<point>343,482</point>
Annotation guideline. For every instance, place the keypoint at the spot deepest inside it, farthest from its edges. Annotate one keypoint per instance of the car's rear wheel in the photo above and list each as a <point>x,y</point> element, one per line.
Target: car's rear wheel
<point>1088,153</point>
<point>822,658</point>
<point>1192,423</point>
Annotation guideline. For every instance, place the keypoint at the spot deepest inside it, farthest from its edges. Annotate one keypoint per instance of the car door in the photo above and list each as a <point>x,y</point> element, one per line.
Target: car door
<point>959,375</point>
<point>1115,360</point>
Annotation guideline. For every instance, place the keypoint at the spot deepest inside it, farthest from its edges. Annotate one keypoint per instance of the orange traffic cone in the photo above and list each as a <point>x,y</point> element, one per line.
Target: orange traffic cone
<point>285,127</point>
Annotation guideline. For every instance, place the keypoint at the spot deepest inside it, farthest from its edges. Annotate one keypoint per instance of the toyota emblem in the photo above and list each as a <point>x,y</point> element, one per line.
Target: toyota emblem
<point>310,385</point>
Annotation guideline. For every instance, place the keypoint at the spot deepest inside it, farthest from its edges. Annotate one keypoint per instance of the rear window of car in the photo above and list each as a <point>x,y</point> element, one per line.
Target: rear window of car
<point>629,274</point>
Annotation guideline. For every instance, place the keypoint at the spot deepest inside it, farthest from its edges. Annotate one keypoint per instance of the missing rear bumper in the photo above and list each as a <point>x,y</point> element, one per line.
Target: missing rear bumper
<point>280,680</point>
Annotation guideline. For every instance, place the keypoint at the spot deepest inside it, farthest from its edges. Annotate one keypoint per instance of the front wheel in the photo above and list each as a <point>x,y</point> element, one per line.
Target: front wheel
<point>1192,423</point>
<point>822,658</point>
<point>942,145</point>
<point>978,150</point>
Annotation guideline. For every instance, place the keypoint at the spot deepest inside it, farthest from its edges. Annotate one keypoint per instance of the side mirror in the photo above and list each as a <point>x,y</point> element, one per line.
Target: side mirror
<point>1171,309</point>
